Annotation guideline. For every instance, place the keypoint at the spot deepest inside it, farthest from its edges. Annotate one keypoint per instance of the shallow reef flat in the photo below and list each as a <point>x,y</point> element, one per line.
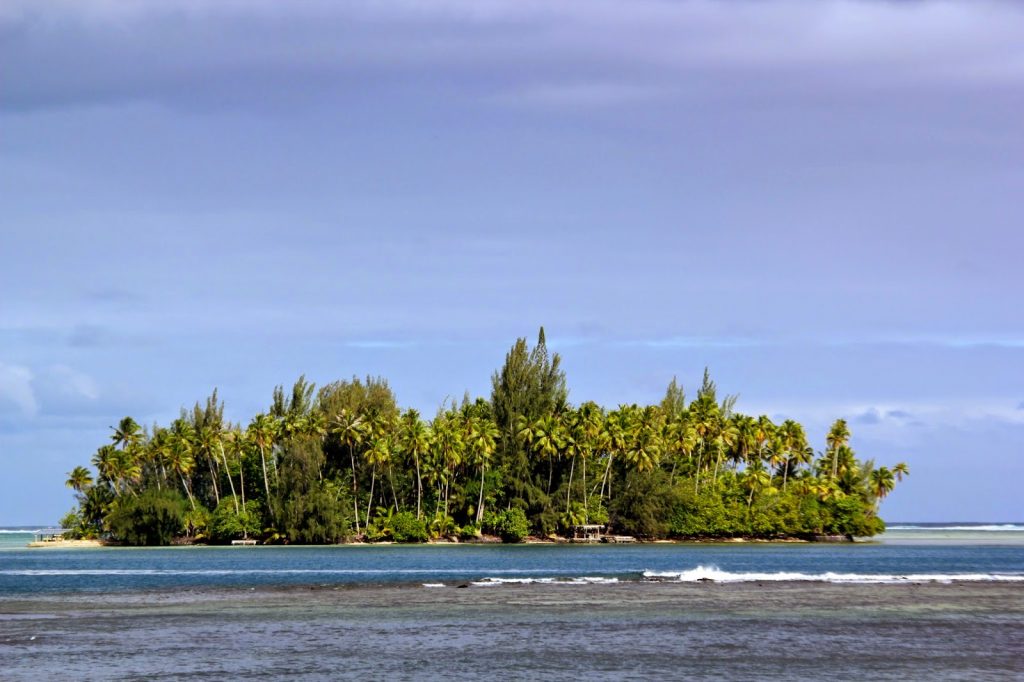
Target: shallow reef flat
<point>808,631</point>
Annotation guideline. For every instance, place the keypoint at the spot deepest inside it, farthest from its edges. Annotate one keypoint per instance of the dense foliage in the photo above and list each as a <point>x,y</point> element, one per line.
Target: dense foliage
<point>346,462</point>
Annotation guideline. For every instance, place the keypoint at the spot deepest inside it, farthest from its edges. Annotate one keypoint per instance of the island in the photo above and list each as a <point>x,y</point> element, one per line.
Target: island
<point>345,463</point>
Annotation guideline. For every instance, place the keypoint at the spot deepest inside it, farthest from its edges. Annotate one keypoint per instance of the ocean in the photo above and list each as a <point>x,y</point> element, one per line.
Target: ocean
<point>923,601</point>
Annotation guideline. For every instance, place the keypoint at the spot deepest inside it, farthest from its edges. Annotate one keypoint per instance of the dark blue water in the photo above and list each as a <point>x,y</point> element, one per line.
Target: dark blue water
<point>24,571</point>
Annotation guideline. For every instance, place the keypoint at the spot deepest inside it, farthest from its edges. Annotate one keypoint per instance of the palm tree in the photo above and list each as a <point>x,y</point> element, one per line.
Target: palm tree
<point>79,479</point>
<point>756,478</point>
<point>591,438</point>
<point>180,457</point>
<point>263,430</point>
<point>838,436</point>
<point>794,444</point>
<point>238,444</point>
<point>127,433</point>
<point>882,483</point>
<point>901,470</point>
<point>351,431</point>
<point>545,439</point>
<point>481,439</point>
<point>416,443</point>
<point>208,438</point>
<point>618,427</point>
<point>644,452</point>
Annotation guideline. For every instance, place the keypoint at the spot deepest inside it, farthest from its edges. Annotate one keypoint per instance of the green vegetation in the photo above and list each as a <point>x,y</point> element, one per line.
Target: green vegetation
<point>345,462</point>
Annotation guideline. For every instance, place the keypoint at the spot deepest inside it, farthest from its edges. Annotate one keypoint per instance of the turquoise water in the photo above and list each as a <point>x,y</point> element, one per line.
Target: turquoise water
<point>910,554</point>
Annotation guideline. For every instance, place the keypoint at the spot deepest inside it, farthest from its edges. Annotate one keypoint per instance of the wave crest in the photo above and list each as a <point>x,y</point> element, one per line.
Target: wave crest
<point>715,574</point>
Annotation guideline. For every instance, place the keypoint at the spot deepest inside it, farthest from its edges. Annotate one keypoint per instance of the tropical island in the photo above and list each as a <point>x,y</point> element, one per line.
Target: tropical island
<point>346,463</point>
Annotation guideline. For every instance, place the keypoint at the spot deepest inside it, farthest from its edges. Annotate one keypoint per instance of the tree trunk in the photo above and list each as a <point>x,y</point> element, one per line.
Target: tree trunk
<point>231,482</point>
<point>568,488</point>
<point>586,505</point>
<point>266,483</point>
<point>419,486</point>
<point>480,499</point>
<point>369,503</point>
<point>188,492</point>
<point>391,481</point>
<point>696,474</point>
<point>604,480</point>
<point>355,486</point>
<point>213,479</point>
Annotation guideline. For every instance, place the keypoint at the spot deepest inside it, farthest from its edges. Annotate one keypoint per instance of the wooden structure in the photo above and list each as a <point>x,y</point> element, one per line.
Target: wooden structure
<point>587,532</point>
<point>50,534</point>
<point>246,542</point>
<point>618,539</point>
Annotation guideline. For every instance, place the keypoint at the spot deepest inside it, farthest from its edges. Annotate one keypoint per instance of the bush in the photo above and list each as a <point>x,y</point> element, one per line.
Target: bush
<point>405,527</point>
<point>642,508</point>
<point>227,524</point>
<point>153,518</point>
<point>510,525</point>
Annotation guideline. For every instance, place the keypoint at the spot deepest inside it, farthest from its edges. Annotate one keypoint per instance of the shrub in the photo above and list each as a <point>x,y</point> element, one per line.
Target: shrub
<point>228,524</point>
<point>510,525</point>
<point>405,527</point>
<point>153,518</point>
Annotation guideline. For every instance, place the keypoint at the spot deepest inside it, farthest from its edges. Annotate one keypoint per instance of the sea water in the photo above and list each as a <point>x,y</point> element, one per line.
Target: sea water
<point>935,602</point>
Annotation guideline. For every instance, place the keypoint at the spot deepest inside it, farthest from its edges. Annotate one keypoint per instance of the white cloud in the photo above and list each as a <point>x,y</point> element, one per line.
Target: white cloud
<point>72,383</point>
<point>16,389</point>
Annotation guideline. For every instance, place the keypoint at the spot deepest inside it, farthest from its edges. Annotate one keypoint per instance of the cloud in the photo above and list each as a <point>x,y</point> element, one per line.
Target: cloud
<point>581,94</point>
<point>581,53</point>
<point>16,389</point>
<point>65,382</point>
<point>871,416</point>
<point>696,342</point>
<point>379,344</point>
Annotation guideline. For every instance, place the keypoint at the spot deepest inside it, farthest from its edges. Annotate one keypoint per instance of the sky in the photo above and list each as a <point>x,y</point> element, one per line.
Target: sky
<point>820,200</point>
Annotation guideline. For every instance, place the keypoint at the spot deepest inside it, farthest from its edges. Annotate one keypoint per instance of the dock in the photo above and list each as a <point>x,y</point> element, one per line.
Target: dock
<point>246,543</point>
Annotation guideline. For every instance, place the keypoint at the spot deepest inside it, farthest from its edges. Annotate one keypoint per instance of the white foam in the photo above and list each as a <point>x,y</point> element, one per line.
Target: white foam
<point>715,574</point>
<point>433,585</point>
<point>580,580</point>
<point>999,527</point>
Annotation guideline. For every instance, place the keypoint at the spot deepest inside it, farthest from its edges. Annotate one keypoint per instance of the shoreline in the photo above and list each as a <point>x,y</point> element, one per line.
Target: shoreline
<point>93,544</point>
<point>67,544</point>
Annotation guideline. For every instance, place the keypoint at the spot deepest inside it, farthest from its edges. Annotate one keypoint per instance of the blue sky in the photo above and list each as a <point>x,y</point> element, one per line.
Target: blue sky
<point>819,200</point>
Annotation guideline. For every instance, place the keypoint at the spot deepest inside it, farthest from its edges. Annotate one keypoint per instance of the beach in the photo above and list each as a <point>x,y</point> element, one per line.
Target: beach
<point>524,631</point>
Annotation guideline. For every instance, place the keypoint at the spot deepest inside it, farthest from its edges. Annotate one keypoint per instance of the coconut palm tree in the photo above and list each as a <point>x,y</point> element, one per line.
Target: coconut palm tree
<point>838,436</point>
<point>900,470</point>
<point>263,430</point>
<point>79,479</point>
<point>481,440</point>
<point>350,428</point>
<point>882,483</point>
<point>756,479</point>
<point>180,457</point>
<point>415,442</point>
<point>544,437</point>
<point>644,452</point>
<point>127,433</point>
<point>591,438</point>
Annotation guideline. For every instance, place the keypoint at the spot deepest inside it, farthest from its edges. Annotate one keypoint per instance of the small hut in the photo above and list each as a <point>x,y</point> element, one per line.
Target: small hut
<point>50,534</point>
<point>587,532</point>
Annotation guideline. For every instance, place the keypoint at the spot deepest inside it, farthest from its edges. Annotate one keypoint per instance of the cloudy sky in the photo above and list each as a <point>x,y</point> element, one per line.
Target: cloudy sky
<point>819,199</point>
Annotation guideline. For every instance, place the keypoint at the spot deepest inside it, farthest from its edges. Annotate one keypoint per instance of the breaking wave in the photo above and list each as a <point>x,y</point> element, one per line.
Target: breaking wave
<point>995,527</point>
<point>714,574</point>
